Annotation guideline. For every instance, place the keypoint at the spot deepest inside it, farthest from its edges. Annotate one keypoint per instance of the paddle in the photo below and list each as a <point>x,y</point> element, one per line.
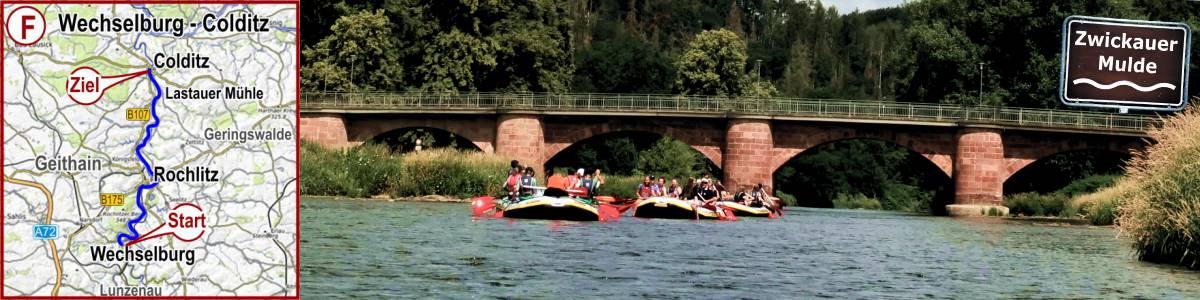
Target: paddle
<point>608,212</point>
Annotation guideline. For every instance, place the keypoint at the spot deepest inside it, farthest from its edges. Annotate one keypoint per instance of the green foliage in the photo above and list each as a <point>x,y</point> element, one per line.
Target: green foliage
<point>359,54</point>
<point>1088,185</point>
<point>620,186</point>
<point>672,158</point>
<point>452,173</point>
<point>797,77</point>
<point>855,201</point>
<point>897,177</point>
<point>1034,204</point>
<point>712,64</point>
<point>443,46</point>
<point>362,171</point>
<point>905,197</point>
<point>787,199</point>
<point>372,169</point>
<point>623,64</point>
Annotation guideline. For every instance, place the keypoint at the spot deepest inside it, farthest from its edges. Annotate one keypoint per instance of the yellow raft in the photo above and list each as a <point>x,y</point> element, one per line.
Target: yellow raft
<point>670,208</point>
<point>551,208</point>
<point>742,210</point>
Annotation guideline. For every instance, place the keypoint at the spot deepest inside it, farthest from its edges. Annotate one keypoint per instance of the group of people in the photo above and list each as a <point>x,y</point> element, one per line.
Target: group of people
<point>704,191</point>
<point>521,181</point>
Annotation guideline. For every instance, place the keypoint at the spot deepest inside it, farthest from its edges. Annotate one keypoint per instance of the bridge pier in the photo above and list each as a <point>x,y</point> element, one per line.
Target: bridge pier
<point>748,153</point>
<point>521,137</point>
<point>979,172</point>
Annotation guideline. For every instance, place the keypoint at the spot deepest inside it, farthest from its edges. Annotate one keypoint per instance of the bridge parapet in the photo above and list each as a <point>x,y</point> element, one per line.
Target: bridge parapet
<point>722,107</point>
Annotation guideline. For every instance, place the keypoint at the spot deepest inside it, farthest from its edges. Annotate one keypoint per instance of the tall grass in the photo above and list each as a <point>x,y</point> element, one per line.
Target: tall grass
<point>451,173</point>
<point>1160,210</point>
<point>356,172</point>
<point>1100,207</point>
<point>371,170</point>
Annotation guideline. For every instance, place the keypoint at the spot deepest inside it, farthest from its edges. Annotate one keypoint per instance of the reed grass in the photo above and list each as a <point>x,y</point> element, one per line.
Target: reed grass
<point>1160,196</point>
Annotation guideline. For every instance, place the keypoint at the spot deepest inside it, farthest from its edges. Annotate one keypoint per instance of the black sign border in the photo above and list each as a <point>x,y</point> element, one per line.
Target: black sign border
<point>1121,104</point>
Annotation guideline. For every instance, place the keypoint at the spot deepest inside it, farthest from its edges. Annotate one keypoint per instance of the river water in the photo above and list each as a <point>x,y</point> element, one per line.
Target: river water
<point>368,250</point>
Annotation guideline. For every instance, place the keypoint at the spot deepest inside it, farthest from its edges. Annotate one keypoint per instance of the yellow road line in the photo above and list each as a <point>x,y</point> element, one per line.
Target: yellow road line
<point>49,214</point>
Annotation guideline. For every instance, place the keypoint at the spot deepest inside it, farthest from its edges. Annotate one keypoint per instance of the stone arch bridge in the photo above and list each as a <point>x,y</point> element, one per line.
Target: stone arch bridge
<point>978,147</point>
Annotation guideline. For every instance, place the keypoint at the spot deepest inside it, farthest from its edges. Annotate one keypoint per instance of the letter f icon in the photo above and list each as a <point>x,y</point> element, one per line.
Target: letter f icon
<point>26,24</point>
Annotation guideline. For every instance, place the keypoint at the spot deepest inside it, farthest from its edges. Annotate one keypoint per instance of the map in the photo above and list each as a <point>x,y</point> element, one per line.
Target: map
<point>150,150</point>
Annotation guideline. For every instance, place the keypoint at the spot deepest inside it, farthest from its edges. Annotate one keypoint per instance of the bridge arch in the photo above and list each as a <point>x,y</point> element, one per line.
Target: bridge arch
<point>937,145</point>
<point>800,178</point>
<point>399,140</point>
<point>637,136</point>
<point>703,135</point>
<point>479,130</point>
<point>1023,149</point>
<point>1054,171</point>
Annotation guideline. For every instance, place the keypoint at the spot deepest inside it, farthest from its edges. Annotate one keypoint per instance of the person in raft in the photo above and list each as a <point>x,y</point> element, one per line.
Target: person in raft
<point>597,180</point>
<point>575,182</point>
<point>513,183</point>
<point>705,195</point>
<point>644,190</point>
<point>588,185</point>
<point>655,189</point>
<point>674,190</point>
<point>555,181</point>
<point>663,189</point>
<point>759,197</point>
<point>528,181</point>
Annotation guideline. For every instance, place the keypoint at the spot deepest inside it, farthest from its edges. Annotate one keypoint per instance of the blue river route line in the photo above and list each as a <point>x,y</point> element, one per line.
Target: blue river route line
<point>138,150</point>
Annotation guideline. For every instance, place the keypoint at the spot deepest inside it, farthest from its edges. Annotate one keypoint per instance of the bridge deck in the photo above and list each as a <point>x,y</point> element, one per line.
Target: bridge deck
<point>823,110</point>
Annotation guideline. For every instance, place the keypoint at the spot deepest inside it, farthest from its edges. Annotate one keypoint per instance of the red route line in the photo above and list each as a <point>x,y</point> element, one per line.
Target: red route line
<point>3,35</point>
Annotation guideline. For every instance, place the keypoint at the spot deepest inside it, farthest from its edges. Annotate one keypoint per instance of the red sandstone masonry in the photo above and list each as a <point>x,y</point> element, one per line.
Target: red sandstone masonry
<point>748,153</point>
<point>521,137</point>
<point>979,169</point>
<point>328,130</point>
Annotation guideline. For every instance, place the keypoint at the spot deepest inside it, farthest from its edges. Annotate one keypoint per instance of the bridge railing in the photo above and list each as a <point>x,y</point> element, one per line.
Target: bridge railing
<point>785,107</point>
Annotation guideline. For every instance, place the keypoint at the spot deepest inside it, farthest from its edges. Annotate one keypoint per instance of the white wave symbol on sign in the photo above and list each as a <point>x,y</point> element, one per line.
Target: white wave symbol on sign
<point>1125,83</point>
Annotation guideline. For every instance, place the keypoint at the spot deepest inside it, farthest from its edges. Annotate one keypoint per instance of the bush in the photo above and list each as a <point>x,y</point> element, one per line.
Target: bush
<point>1160,209</point>
<point>855,201</point>
<point>787,199</point>
<point>361,171</point>
<point>622,186</point>
<point>903,197</point>
<point>451,173</point>
<point>1088,184</point>
<point>1034,204</point>
<point>672,158</point>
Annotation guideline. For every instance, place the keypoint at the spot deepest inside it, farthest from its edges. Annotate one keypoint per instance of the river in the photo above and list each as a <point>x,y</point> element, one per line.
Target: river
<point>366,249</point>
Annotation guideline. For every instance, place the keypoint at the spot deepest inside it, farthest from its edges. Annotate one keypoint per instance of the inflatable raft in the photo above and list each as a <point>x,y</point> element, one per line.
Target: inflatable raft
<point>742,210</point>
<point>545,208</point>
<point>670,208</point>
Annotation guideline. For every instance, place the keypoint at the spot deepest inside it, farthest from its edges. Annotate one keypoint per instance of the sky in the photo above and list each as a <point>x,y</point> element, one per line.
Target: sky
<point>847,6</point>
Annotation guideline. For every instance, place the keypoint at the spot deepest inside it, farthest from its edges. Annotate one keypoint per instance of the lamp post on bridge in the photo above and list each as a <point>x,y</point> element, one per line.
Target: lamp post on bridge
<point>980,102</point>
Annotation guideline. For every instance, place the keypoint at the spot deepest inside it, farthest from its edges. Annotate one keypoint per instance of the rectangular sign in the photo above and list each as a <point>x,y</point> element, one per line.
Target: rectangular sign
<point>1124,64</point>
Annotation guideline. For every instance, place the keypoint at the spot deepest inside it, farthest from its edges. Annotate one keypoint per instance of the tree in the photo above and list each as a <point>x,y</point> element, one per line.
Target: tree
<point>360,48</point>
<point>712,64</point>
<point>671,158</point>
<point>797,77</point>
<point>622,65</point>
